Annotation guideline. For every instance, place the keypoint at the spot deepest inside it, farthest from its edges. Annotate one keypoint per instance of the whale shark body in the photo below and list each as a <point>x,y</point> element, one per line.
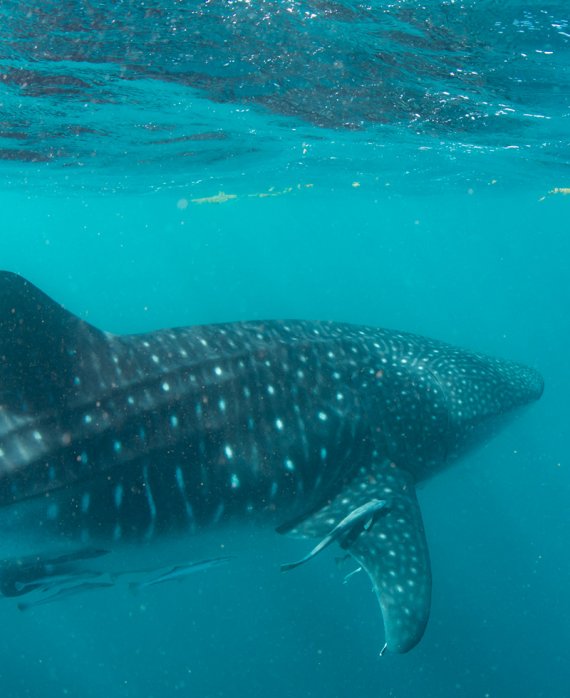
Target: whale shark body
<point>315,429</point>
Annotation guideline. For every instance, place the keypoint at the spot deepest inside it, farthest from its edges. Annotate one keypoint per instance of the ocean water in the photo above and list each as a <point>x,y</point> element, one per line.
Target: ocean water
<point>399,164</point>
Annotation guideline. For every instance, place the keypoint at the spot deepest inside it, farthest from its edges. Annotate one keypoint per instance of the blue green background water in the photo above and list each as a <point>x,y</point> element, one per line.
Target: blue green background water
<point>451,232</point>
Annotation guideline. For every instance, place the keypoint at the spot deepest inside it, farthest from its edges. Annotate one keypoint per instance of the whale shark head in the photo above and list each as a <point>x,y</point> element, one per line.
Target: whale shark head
<point>480,394</point>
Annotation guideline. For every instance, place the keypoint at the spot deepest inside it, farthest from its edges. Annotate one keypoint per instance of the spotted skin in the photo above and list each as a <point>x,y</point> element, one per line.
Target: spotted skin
<point>116,439</point>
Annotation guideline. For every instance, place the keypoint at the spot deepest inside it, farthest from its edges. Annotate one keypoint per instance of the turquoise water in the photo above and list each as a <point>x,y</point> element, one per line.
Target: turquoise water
<point>113,134</point>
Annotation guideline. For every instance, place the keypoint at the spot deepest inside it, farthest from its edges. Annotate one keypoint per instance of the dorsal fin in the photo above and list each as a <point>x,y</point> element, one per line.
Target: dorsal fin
<point>41,345</point>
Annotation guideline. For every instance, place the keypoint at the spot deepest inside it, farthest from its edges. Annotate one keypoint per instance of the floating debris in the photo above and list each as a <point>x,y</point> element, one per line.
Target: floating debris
<point>220,198</point>
<point>557,190</point>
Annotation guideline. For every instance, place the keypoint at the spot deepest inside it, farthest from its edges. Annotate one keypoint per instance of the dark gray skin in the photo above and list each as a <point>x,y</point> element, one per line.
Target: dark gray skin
<point>115,439</point>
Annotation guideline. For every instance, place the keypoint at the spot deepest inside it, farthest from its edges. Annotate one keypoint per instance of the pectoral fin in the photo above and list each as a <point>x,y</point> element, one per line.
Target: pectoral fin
<point>394,553</point>
<point>391,547</point>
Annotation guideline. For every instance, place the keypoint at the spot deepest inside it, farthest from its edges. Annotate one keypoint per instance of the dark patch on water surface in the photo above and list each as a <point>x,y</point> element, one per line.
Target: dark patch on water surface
<point>390,72</point>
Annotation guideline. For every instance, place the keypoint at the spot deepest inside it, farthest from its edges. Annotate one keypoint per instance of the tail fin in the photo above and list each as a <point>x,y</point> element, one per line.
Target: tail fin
<point>41,348</point>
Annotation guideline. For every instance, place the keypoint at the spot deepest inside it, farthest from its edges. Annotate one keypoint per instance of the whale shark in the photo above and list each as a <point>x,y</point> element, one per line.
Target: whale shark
<point>114,443</point>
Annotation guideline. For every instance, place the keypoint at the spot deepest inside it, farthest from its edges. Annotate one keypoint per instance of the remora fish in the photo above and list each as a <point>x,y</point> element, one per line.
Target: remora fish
<point>65,593</point>
<point>345,532</point>
<point>114,440</point>
<point>25,574</point>
<point>179,572</point>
